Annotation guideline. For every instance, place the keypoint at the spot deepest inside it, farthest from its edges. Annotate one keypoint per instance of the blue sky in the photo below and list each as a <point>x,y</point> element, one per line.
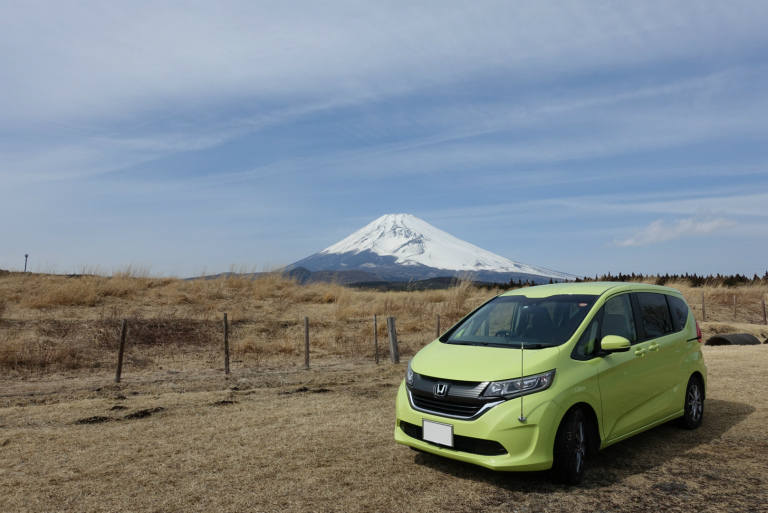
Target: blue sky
<point>189,137</point>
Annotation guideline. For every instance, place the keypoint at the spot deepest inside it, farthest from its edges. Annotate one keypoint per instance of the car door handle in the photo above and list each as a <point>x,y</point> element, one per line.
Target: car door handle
<point>654,347</point>
<point>640,352</point>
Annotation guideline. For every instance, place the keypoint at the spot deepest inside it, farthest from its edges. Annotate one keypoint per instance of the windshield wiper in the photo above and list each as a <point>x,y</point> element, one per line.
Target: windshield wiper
<point>462,343</point>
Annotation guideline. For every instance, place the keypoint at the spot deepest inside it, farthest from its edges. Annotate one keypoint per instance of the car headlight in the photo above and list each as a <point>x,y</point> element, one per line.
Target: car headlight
<point>409,375</point>
<point>520,386</point>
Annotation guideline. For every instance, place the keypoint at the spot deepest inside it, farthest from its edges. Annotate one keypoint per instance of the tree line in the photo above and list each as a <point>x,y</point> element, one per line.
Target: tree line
<point>693,280</point>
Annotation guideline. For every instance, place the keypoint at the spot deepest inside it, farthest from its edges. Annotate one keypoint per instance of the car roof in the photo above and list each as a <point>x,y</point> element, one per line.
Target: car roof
<point>588,288</point>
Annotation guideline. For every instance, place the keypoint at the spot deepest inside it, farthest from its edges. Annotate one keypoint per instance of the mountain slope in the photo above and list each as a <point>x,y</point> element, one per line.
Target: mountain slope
<point>402,246</point>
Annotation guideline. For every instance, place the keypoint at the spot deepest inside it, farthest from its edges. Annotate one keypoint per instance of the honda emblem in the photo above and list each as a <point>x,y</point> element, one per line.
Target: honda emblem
<point>441,389</point>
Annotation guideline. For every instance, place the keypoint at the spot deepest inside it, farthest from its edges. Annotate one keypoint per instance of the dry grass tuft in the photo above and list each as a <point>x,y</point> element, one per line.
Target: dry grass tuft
<point>79,291</point>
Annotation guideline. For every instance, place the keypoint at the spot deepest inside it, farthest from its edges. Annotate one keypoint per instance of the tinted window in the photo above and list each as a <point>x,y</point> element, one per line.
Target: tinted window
<point>618,319</point>
<point>679,311</point>
<point>654,313</point>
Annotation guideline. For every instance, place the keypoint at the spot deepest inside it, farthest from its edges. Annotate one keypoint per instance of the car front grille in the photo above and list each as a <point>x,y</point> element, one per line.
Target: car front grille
<point>460,443</point>
<point>461,400</point>
<point>446,408</point>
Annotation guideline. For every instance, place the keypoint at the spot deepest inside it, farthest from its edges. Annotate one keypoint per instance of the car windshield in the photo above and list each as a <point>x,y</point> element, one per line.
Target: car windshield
<point>513,321</point>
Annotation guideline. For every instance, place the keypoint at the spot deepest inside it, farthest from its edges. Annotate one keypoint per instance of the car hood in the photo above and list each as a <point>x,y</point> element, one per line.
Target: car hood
<point>479,363</point>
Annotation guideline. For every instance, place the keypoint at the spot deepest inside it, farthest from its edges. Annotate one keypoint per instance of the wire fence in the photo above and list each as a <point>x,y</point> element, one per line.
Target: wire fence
<point>183,345</point>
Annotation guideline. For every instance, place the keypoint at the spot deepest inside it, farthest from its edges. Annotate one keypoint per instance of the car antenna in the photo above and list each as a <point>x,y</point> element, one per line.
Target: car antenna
<point>521,418</point>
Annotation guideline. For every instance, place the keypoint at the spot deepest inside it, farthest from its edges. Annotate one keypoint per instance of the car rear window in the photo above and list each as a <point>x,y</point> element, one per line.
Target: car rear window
<point>654,313</point>
<point>679,311</point>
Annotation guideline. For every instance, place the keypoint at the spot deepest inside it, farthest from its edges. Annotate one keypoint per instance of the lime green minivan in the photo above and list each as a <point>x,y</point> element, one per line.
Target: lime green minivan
<point>541,377</point>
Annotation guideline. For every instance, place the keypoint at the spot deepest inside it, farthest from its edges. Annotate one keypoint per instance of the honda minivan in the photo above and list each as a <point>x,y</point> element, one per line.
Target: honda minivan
<point>541,377</point>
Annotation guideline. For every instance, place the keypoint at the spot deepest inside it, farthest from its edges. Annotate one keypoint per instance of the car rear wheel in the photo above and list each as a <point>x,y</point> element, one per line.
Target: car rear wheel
<point>570,450</point>
<point>693,412</point>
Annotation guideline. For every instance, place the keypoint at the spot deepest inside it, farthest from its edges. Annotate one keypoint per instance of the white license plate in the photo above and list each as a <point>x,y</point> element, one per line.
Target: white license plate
<point>437,433</point>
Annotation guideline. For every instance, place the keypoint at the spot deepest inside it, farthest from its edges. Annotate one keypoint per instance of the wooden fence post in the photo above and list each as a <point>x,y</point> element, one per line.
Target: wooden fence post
<point>703,308</point>
<point>375,340</point>
<point>123,331</point>
<point>394,354</point>
<point>306,343</point>
<point>734,307</point>
<point>438,326</point>
<point>765,320</point>
<point>226,345</point>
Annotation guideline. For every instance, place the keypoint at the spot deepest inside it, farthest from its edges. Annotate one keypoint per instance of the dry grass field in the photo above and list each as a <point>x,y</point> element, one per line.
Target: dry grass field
<point>178,435</point>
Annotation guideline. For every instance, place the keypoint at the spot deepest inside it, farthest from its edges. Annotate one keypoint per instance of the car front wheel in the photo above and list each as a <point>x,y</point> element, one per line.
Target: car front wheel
<point>570,450</point>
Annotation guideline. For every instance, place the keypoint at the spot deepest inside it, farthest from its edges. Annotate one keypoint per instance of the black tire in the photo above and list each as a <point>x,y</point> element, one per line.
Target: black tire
<point>570,450</point>
<point>693,408</point>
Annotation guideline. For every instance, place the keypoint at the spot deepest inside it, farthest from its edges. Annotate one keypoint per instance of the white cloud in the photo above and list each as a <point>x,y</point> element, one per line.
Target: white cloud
<point>659,231</point>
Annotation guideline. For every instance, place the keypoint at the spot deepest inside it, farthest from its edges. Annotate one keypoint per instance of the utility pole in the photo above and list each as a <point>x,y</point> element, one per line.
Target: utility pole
<point>26,255</point>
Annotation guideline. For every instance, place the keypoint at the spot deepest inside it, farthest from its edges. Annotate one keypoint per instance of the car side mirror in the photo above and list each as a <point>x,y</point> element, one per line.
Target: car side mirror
<point>614,344</point>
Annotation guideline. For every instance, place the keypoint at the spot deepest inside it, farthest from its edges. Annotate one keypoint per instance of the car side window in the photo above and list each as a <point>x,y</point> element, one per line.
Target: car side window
<point>585,347</point>
<point>618,319</point>
<point>654,313</point>
<point>679,311</point>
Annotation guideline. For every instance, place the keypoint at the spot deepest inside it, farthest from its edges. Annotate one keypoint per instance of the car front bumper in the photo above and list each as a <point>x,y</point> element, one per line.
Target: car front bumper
<point>527,445</point>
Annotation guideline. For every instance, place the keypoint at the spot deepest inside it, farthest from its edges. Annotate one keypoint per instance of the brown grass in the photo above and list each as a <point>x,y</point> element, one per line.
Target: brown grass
<point>177,435</point>
<point>54,323</point>
<point>64,323</point>
<point>290,440</point>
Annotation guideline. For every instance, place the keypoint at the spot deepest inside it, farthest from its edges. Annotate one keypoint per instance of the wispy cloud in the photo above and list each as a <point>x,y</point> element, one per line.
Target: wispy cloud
<point>661,231</point>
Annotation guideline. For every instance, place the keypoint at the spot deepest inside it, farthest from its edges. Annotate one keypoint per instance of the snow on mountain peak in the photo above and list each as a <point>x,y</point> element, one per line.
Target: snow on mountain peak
<point>413,241</point>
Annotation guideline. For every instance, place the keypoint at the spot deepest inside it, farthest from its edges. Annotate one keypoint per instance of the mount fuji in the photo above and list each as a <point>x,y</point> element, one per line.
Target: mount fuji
<point>397,247</point>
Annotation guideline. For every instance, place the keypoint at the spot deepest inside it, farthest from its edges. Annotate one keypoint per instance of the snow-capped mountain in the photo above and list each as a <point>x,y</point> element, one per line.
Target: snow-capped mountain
<point>402,246</point>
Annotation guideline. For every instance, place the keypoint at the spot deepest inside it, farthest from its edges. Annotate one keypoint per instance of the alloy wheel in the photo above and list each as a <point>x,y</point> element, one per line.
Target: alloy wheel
<point>581,446</point>
<point>695,403</point>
